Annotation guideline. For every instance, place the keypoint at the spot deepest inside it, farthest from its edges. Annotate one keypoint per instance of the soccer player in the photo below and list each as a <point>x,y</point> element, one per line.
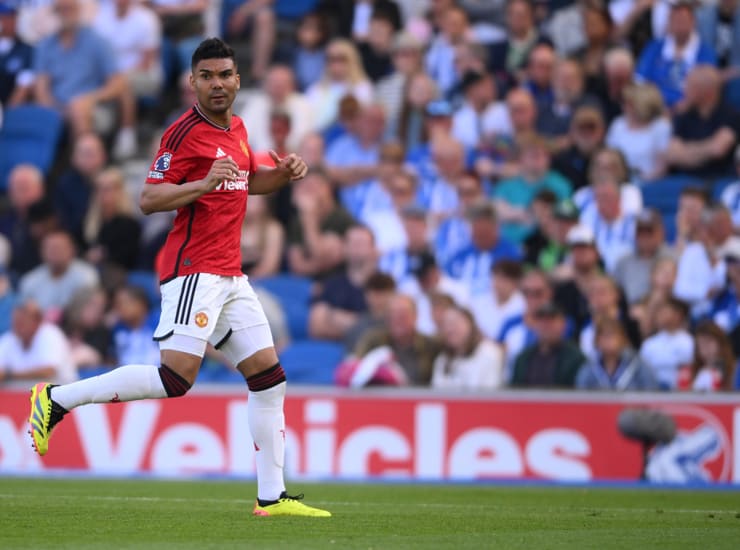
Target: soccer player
<point>204,169</point>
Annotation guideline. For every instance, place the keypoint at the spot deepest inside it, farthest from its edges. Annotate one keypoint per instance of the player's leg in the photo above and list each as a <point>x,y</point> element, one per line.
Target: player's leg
<point>247,342</point>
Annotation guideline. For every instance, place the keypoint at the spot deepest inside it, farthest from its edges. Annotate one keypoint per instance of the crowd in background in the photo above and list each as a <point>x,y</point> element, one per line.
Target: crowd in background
<point>473,216</point>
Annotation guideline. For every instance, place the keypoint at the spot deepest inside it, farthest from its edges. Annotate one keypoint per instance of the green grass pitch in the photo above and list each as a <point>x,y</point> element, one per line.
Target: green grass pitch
<point>82,514</point>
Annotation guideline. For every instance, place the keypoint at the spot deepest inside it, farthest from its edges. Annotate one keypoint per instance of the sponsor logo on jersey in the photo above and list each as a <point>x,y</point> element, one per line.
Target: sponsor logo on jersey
<point>201,319</point>
<point>153,174</point>
<point>220,153</point>
<point>235,185</point>
<point>162,164</point>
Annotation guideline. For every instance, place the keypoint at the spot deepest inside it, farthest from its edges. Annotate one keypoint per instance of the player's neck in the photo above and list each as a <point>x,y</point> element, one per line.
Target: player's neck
<point>221,120</point>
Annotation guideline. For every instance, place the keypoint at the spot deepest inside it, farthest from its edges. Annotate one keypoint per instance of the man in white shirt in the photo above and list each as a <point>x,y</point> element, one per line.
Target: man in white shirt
<point>672,347</point>
<point>34,350</point>
<point>481,114</point>
<point>731,195</point>
<point>504,302</point>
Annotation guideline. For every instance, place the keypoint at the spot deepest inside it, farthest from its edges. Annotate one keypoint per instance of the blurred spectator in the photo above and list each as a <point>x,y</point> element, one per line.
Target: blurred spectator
<point>417,121</point>
<point>468,359</point>
<point>437,124</point>
<point>576,275</point>
<point>16,60</point>
<point>705,134</point>
<point>74,187</point>
<point>608,164</point>
<point>672,347</point>
<point>351,19</point>
<point>633,271</point>
<point>77,73</point>
<point>375,52</point>
<point>638,22</point>
<point>731,195</point>
<point>132,334</point>
<point>135,33</point>
<point>518,332</point>
<point>439,195</point>
<point>642,133</point>
<point>263,240</point>
<point>390,90</point>
<point>427,281</point>
<point>586,136</point>
<point>553,360</point>
<point>453,233</point>
<point>568,93</point>
<point>508,57</point>
<point>111,232</point>
<point>279,130</point>
<point>714,364</point>
<point>182,27</point>
<point>399,342</point>
<point>279,94</point>
<point>692,202</point>
<point>721,235</point>
<point>662,279</point>
<point>86,327</point>
<point>309,55</point>
<point>379,290</point>
<point>340,300</point>
<point>25,188</point>
<point>494,309</point>
<point>7,295</point>
<point>605,302</point>
<point>513,197</point>
<point>315,235</point>
<point>351,161</point>
<point>598,28</point>
<point>53,284</point>
<point>726,304</point>
<point>472,265</point>
<point>718,25</point>
<point>545,247</point>
<point>254,19</point>
<point>615,365</point>
<point>666,62</point>
<point>619,69</point>
<point>400,232</point>
<point>34,350</point>
<point>379,196</point>
<point>539,75</point>
<point>481,113</point>
<point>440,58</point>
<point>343,75</point>
<point>614,229</point>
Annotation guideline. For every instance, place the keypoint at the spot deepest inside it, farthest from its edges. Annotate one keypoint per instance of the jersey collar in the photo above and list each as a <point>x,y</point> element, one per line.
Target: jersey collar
<point>208,120</point>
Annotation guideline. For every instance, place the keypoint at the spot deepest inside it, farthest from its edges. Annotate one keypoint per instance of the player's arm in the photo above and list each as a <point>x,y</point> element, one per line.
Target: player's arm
<point>163,197</point>
<point>268,180</point>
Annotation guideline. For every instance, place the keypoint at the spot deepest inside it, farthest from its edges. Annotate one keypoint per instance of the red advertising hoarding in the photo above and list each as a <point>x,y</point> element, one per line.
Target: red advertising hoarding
<point>415,435</point>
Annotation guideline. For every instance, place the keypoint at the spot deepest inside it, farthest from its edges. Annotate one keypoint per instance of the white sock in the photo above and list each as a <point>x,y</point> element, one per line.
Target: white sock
<point>126,383</point>
<point>267,426</point>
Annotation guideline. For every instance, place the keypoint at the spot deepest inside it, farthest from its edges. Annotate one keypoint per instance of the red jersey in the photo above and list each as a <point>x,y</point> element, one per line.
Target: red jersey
<point>206,235</point>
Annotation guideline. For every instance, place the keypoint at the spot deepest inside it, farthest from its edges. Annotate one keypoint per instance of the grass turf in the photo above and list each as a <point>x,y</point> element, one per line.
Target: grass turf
<point>81,514</point>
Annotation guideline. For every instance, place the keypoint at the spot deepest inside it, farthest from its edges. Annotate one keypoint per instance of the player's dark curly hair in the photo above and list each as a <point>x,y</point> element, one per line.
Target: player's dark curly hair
<point>212,48</point>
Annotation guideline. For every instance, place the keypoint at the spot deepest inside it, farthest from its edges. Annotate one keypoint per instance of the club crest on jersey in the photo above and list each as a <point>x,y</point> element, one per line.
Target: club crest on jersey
<point>201,319</point>
<point>244,147</point>
<point>162,164</point>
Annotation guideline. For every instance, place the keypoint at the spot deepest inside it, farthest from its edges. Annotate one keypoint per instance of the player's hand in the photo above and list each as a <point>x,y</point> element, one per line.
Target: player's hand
<point>223,169</point>
<point>294,164</point>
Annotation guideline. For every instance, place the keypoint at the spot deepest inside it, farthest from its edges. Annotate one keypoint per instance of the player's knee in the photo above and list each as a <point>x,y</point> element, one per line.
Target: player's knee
<point>174,384</point>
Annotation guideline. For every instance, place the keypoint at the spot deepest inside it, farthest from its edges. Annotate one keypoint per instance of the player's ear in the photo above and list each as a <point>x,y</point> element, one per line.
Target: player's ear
<point>238,81</point>
<point>191,78</point>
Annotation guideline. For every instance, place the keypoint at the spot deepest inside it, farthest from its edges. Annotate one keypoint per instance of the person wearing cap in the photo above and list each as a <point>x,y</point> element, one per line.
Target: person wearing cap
<point>407,57</point>
<point>705,133</point>
<point>574,275</point>
<point>731,194</point>
<point>472,265</point>
<point>16,60</point>
<point>513,196</point>
<point>633,271</point>
<point>481,113</point>
<point>553,361</point>
<point>666,62</point>
<point>586,136</point>
<point>34,349</point>
<point>643,132</point>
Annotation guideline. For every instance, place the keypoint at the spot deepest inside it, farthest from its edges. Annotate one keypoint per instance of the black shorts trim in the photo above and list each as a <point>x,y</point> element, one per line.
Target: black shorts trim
<point>223,340</point>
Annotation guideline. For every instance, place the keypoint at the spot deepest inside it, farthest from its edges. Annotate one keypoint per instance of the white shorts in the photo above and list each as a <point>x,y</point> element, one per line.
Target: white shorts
<point>224,311</point>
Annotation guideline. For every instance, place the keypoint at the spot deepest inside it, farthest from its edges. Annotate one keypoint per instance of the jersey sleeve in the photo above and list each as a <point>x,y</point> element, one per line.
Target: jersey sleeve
<point>169,166</point>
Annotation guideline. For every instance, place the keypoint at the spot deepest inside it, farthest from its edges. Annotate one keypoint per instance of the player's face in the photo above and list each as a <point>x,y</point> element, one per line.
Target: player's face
<point>215,83</point>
